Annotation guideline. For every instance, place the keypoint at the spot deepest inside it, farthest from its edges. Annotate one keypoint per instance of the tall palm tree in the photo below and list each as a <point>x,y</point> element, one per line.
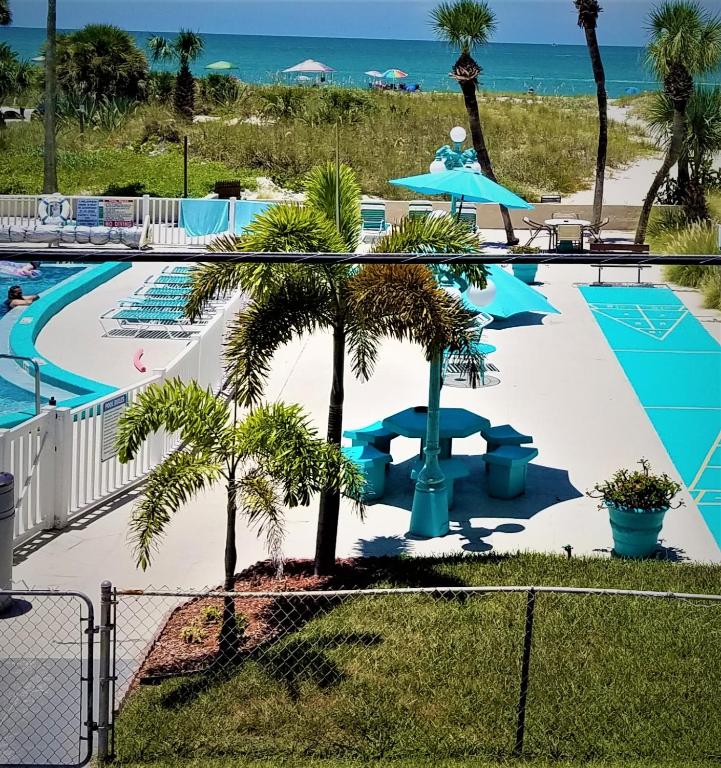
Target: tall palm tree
<point>359,305</point>
<point>50,167</point>
<point>6,16</point>
<point>685,42</point>
<point>185,49</point>
<point>465,25</point>
<point>588,13</point>
<point>268,460</point>
<point>700,144</point>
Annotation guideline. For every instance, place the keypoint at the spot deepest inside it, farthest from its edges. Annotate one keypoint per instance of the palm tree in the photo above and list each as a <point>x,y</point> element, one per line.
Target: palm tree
<point>6,16</point>
<point>102,61</point>
<point>50,169</point>
<point>588,12</point>
<point>465,25</point>
<point>685,42</point>
<point>359,305</point>
<point>185,49</point>
<point>268,460</point>
<point>701,142</point>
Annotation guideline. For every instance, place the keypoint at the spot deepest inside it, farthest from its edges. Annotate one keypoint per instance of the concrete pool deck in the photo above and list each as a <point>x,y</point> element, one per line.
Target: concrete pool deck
<point>560,382</point>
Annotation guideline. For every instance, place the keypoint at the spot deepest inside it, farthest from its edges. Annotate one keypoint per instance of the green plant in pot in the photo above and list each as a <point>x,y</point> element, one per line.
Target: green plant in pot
<point>637,502</point>
<point>525,272</point>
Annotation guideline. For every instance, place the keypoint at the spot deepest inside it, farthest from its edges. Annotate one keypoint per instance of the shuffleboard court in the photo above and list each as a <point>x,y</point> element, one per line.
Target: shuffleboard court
<point>674,366</point>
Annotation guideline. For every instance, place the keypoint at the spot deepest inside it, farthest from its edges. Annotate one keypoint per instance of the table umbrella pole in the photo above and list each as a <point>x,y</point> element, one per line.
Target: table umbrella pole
<point>429,515</point>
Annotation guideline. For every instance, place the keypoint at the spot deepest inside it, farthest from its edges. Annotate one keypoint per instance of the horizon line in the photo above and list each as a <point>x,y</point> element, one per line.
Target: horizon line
<point>325,37</point>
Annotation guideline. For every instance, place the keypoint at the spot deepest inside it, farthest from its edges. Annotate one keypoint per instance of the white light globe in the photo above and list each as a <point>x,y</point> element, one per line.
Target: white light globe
<point>437,166</point>
<point>481,297</point>
<point>458,134</point>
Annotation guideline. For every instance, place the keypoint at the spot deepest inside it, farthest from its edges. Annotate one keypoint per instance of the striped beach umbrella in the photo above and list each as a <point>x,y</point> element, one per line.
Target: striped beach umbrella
<point>394,74</point>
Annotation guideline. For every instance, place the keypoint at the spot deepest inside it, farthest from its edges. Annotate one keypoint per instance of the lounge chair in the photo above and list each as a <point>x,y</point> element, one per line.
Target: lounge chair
<point>419,210</point>
<point>594,230</point>
<point>178,270</point>
<point>163,290</point>
<point>167,302</point>
<point>373,216</point>
<point>467,216</point>
<point>536,228</point>
<point>169,279</point>
<point>569,238</point>
<point>134,320</point>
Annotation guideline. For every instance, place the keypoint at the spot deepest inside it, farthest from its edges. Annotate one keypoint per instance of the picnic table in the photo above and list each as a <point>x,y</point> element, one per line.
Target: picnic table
<point>454,422</point>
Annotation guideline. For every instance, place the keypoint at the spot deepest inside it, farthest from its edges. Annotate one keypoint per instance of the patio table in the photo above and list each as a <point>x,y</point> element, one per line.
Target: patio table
<point>454,422</point>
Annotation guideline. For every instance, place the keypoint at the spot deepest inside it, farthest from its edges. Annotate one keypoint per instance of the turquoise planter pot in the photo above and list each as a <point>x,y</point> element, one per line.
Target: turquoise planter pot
<point>635,534</point>
<point>525,272</point>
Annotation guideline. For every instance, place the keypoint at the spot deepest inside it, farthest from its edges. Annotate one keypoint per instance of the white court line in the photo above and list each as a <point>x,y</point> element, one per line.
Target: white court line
<point>682,408</point>
<point>675,351</point>
<point>705,463</point>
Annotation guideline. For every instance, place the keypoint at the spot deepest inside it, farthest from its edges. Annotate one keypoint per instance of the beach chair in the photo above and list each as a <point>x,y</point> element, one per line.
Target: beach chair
<point>594,230</point>
<point>178,270</point>
<point>536,228</point>
<point>134,320</point>
<point>373,216</point>
<point>421,209</point>
<point>170,279</point>
<point>569,238</point>
<point>163,290</point>
<point>167,302</point>
<point>467,217</point>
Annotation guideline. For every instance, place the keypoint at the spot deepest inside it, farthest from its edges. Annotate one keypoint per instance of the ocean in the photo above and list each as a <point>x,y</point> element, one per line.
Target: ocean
<point>562,70</point>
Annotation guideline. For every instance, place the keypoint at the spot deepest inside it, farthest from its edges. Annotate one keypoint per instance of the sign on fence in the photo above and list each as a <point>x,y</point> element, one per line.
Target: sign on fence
<point>118,213</point>
<point>112,411</point>
<point>87,212</point>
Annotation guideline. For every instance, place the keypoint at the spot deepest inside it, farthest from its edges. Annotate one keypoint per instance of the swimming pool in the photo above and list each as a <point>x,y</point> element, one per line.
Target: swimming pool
<point>674,366</point>
<point>49,276</point>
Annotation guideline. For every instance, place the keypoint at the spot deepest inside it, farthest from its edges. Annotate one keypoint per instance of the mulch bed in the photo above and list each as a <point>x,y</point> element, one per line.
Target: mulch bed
<point>171,654</point>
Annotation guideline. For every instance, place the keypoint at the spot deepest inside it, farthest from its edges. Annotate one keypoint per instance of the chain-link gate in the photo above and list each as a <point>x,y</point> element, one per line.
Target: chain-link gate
<point>46,678</point>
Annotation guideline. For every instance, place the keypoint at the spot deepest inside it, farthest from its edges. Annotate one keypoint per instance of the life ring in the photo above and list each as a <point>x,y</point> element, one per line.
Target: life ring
<point>54,209</point>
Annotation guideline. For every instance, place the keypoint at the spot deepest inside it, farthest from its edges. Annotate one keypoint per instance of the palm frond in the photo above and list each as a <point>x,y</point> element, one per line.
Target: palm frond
<point>362,344</point>
<point>291,228</point>
<point>320,190</point>
<point>171,484</point>
<point>588,12</point>
<point>160,48</point>
<point>188,45</point>
<point>439,234</point>
<point>195,413</point>
<point>464,24</point>
<point>6,17</point>
<point>211,281</point>
<point>301,304</point>
<point>259,501</point>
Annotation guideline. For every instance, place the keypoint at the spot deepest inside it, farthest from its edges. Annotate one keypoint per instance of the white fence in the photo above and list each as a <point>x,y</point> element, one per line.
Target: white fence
<point>56,457</point>
<point>162,212</point>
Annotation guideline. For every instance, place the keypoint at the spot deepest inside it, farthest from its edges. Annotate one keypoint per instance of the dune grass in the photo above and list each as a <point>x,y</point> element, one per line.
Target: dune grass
<point>424,680</point>
<point>538,144</point>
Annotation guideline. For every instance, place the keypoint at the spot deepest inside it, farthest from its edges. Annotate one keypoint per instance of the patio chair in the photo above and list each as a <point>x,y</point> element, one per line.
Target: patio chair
<point>467,216</point>
<point>594,230</point>
<point>536,228</point>
<point>373,216</point>
<point>419,209</point>
<point>569,238</point>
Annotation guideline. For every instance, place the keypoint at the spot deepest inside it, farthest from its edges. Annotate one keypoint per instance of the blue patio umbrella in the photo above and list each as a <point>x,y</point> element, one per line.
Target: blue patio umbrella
<point>465,183</point>
<point>512,297</point>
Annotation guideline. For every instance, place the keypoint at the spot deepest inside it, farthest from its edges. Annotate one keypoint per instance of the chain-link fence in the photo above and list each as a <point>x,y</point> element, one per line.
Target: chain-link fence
<point>418,674</point>
<point>46,670</point>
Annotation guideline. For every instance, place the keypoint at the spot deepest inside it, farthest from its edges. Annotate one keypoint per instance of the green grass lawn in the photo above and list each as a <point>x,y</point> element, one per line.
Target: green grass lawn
<point>469,763</point>
<point>422,679</point>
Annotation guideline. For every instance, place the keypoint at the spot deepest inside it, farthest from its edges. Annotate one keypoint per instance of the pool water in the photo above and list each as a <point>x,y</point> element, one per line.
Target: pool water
<point>14,399</point>
<point>674,366</point>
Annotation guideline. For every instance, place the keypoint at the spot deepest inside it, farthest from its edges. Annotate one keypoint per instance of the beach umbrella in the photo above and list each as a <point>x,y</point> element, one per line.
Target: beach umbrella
<point>219,65</point>
<point>632,90</point>
<point>465,183</point>
<point>38,59</point>
<point>512,296</point>
<point>394,74</point>
<point>310,66</point>
<point>374,73</point>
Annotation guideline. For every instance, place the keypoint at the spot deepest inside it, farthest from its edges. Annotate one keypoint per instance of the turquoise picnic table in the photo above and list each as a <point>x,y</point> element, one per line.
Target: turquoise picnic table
<point>454,422</point>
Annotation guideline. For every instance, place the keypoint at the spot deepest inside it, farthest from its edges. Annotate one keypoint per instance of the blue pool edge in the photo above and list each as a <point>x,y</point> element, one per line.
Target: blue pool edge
<point>25,332</point>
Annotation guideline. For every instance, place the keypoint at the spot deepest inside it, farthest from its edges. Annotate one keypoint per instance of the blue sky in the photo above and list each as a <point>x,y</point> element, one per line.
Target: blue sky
<point>527,21</point>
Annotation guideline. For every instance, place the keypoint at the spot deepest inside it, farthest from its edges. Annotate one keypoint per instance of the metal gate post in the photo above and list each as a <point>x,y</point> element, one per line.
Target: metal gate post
<point>525,670</point>
<point>105,678</point>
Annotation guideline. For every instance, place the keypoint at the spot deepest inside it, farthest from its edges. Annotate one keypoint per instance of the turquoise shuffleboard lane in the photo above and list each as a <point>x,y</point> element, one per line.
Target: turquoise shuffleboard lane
<point>674,366</point>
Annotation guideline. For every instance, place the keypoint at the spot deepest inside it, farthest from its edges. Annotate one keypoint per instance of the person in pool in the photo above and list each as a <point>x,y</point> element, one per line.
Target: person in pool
<point>31,270</point>
<point>16,299</point>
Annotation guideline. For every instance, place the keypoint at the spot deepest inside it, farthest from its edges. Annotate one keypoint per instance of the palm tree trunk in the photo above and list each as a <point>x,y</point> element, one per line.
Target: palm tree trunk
<point>479,144</point>
<point>683,177</point>
<point>50,174</point>
<point>228,642</point>
<point>599,75</point>
<point>330,499</point>
<point>672,155</point>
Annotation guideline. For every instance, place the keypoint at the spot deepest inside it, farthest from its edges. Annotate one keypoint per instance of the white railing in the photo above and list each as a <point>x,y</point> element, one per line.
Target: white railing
<point>162,212</point>
<point>56,457</point>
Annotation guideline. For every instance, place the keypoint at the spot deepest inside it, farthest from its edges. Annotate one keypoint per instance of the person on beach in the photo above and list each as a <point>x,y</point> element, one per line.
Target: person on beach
<point>16,299</point>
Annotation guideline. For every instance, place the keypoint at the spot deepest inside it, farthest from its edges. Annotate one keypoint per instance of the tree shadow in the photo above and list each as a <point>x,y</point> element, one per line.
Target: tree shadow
<point>382,546</point>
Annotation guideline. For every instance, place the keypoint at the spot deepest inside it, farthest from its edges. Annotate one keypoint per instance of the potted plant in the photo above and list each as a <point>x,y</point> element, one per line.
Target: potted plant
<point>525,272</point>
<point>636,502</point>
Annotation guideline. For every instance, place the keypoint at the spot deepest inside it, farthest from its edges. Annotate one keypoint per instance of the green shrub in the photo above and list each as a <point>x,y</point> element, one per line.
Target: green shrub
<point>520,249</point>
<point>193,634</point>
<point>638,490</point>
<point>211,614</point>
